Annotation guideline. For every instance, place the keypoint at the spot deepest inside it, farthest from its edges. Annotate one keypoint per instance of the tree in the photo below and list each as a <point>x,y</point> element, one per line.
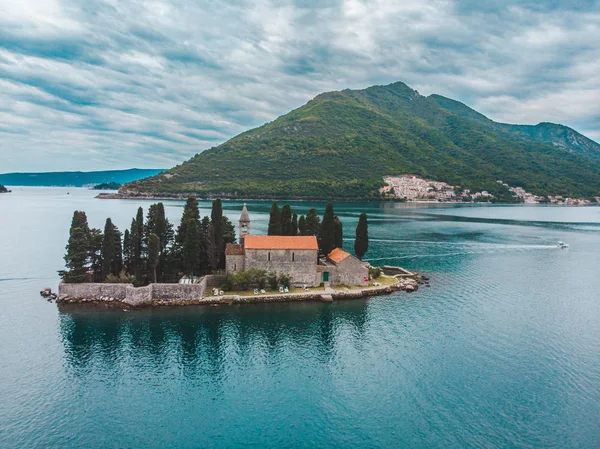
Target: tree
<point>286,220</point>
<point>127,252</point>
<point>294,224</point>
<point>153,254</point>
<point>274,220</point>
<point>157,223</point>
<point>77,255</point>
<point>211,247</point>
<point>95,253</point>
<point>302,225</point>
<point>327,231</point>
<point>361,244</point>
<point>338,236</point>
<point>137,237</point>
<point>312,222</point>
<point>190,211</point>
<point>204,259</point>
<point>191,249</point>
<point>228,237</point>
<point>112,254</point>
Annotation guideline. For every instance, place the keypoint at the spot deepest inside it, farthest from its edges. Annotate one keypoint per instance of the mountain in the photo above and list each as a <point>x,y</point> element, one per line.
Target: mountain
<point>76,178</point>
<point>340,145</point>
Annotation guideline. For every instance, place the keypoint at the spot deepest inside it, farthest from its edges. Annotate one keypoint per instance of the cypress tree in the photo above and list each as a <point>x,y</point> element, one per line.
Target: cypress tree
<point>157,223</point>
<point>153,254</point>
<point>112,256</point>
<point>137,237</point>
<point>302,225</point>
<point>204,260</point>
<point>77,255</point>
<point>218,222</point>
<point>211,247</point>
<point>190,211</point>
<point>274,220</point>
<point>327,231</point>
<point>294,224</point>
<point>312,222</point>
<point>361,244</point>
<point>191,249</point>
<point>286,220</point>
<point>127,252</point>
<point>338,236</point>
<point>95,253</point>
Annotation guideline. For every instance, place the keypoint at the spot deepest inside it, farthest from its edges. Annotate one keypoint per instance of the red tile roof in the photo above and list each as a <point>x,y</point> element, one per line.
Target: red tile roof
<point>281,242</point>
<point>231,249</point>
<point>337,255</point>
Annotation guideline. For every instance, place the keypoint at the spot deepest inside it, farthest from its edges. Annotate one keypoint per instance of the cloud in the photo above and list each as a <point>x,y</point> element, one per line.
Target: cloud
<point>90,84</point>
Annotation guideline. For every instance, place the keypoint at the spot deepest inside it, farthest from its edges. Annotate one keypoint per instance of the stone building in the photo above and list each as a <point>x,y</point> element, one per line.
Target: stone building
<point>296,256</point>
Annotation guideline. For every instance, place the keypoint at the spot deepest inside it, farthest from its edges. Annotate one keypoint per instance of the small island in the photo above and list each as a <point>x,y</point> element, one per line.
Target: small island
<point>3,189</point>
<point>107,186</point>
<point>202,261</point>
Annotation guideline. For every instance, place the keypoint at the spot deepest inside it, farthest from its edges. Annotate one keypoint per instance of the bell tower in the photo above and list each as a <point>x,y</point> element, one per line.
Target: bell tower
<point>244,224</point>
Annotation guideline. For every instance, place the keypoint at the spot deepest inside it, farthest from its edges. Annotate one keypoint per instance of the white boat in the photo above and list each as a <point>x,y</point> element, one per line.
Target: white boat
<point>562,245</point>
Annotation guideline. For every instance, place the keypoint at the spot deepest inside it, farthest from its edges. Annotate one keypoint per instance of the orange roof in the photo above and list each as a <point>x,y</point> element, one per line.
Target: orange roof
<point>338,254</point>
<point>280,242</point>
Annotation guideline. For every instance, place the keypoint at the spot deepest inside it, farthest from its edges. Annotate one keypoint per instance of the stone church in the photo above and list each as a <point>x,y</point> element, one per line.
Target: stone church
<point>296,256</point>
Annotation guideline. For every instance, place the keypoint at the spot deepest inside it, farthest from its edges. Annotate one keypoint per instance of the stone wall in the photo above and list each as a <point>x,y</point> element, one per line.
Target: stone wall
<point>299,265</point>
<point>350,271</point>
<point>234,263</point>
<point>134,296</point>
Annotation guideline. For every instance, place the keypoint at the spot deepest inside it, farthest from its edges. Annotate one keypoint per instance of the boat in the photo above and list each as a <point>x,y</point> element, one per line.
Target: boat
<point>562,245</point>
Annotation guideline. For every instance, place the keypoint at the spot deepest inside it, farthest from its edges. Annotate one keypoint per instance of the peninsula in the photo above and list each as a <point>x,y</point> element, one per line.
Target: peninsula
<point>301,258</point>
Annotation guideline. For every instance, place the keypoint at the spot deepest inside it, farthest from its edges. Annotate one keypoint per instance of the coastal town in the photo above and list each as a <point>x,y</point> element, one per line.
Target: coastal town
<point>413,188</point>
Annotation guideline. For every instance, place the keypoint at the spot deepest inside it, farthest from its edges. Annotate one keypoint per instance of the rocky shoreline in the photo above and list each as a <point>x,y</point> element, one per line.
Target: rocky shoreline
<point>408,285</point>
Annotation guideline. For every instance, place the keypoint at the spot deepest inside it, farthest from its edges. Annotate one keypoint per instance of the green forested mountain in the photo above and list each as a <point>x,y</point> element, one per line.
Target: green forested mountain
<point>341,144</point>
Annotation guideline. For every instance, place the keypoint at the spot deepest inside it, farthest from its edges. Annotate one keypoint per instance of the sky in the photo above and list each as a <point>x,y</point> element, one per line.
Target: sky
<point>94,85</point>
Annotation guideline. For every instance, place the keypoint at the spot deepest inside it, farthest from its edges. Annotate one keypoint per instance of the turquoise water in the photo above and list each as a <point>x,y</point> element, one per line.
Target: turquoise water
<point>501,351</point>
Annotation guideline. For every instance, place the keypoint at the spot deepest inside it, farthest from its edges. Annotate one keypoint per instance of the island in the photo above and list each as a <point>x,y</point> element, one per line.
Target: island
<point>202,262</point>
<point>3,189</point>
<point>107,186</point>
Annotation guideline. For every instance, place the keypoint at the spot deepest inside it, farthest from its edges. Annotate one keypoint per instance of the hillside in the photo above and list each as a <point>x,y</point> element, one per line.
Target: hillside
<point>76,178</point>
<point>341,144</point>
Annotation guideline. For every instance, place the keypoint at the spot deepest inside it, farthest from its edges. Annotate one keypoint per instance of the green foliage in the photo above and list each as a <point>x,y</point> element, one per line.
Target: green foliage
<point>107,186</point>
<point>244,279</point>
<point>127,252</point>
<point>312,223</point>
<point>338,236</point>
<point>77,256</point>
<point>302,225</point>
<point>191,211</point>
<point>3,189</point>
<point>341,144</point>
<point>284,280</point>
<point>272,280</point>
<point>191,249</point>
<point>153,254</point>
<point>121,278</point>
<point>327,231</point>
<point>361,243</point>
<point>375,272</point>
<point>274,220</point>
<point>286,220</point>
<point>294,224</point>
<point>112,255</point>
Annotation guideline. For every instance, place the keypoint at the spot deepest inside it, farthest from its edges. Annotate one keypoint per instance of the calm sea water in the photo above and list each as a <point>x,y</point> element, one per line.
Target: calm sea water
<point>503,350</point>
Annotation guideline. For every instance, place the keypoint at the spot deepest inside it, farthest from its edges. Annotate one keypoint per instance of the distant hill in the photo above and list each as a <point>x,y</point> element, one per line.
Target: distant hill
<point>340,145</point>
<point>76,178</point>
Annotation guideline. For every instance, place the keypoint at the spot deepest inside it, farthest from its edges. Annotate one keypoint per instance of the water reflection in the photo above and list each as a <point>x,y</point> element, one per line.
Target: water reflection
<point>201,338</point>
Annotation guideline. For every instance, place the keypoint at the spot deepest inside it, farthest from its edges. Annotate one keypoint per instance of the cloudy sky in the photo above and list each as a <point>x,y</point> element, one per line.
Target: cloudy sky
<point>92,84</point>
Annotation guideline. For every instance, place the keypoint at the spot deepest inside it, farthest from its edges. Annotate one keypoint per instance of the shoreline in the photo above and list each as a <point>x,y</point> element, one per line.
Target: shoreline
<point>116,294</point>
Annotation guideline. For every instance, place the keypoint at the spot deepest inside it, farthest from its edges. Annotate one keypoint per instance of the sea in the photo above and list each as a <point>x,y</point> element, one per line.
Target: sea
<point>502,350</point>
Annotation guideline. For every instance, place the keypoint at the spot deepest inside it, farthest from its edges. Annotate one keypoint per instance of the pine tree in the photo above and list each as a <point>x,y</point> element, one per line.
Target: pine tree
<point>312,222</point>
<point>274,220</point>
<point>338,236</point>
<point>153,254</point>
<point>286,220</point>
<point>361,244</point>
<point>77,255</point>
<point>294,224</point>
<point>112,256</point>
<point>327,231</point>
<point>302,225</point>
